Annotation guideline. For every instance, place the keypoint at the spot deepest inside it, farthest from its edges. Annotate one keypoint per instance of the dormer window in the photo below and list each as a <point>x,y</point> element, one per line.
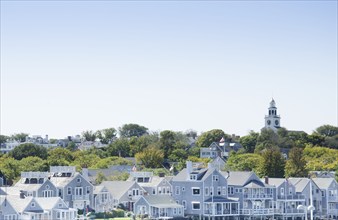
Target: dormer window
<point>193,177</point>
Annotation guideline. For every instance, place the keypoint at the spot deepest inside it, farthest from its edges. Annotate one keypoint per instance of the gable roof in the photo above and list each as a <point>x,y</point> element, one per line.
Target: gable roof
<point>118,188</point>
<point>161,201</point>
<point>19,204</point>
<point>48,203</point>
<point>276,181</point>
<point>238,178</point>
<point>299,183</point>
<point>323,183</point>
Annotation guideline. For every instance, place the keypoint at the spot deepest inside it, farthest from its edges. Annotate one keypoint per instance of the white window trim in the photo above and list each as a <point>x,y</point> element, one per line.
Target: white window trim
<point>192,205</point>
<point>192,191</point>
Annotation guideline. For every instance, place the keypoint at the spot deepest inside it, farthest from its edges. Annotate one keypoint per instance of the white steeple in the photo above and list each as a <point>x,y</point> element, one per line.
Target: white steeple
<point>272,120</point>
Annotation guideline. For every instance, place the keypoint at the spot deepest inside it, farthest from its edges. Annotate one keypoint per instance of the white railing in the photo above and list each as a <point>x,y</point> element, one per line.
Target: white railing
<point>225,212</point>
<point>333,198</point>
<point>292,211</point>
<point>257,211</point>
<point>258,196</point>
<point>80,197</point>
<point>291,197</point>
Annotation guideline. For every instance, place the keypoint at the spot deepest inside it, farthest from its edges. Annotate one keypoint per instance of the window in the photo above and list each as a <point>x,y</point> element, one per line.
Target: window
<point>159,190</point>
<point>60,205</point>
<point>78,180</point>
<point>168,190</point>
<point>211,191</point>
<point>224,190</point>
<point>135,192</point>
<point>183,189</point>
<point>196,191</point>
<point>231,190</point>
<point>47,193</point>
<point>58,215</point>
<point>174,211</point>
<point>60,193</point>
<point>290,191</point>
<point>196,206</point>
<point>206,191</point>
<point>193,177</point>
<point>177,190</point>
<point>33,204</point>
<point>219,191</point>
<point>69,191</point>
<point>184,203</point>
<point>88,189</point>
<point>29,193</point>
<point>47,186</point>
<point>282,191</point>
<point>154,191</point>
<point>215,178</point>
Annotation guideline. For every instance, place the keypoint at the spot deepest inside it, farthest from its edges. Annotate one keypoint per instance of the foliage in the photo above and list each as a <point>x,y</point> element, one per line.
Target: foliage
<point>249,141</point>
<point>84,160</point>
<point>138,144</point>
<point>3,138</point>
<point>170,140</point>
<point>191,133</point>
<point>267,137</point>
<point>331,142</point>
<point>272,163</point>
<point>100,178</point>
<point>28,149</point>
<point>120,148</point>
<point>10,168</point>
<point>107,135</point>
<point>244,162</point>
<point>327,130</point>
<point>119,176</point>
<point>151,157</point>
<point>132,130</point>
<point>59,157</point>
<point>320,158</point>
<point>20,137</point>
<point>71,146</point>
<point>206,138</point>
<point>89,135</point>
<point>296,165</point>
<point>109,161</point>
<point>33,164</point>
<point>157,171</point>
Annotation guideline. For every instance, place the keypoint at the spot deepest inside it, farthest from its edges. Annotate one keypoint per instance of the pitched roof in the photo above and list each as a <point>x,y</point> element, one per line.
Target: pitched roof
<point>238,178</point>
<point>162,201</point>
<point>276,181</point>
<point>299,183</point>
<point>118,188</point>
<point>48,203</point>
<point>18,203</point>
<point>323,183</point>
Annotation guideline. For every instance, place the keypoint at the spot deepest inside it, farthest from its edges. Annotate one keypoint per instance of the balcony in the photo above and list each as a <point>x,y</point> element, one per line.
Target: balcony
<point>258,196</point>
<point>258,212</point>
<point>333,198</point>
<point>291,197</point>
<point>80,197</point>
<point>225,212</point>
<point>289,211</point>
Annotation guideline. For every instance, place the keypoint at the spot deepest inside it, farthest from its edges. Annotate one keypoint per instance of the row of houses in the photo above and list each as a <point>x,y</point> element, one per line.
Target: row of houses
<point>195,192</point>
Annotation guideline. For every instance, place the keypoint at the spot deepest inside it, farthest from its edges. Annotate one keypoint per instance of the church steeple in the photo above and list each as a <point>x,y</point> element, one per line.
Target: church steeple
<point>272,120</point>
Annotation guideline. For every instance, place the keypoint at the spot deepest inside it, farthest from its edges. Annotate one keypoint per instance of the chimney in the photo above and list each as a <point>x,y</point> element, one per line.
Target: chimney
<point>189,167</point>
<point>22,194</point>
<point>266,180</point>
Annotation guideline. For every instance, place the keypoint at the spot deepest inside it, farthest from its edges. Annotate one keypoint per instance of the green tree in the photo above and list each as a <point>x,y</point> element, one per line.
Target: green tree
<point>84,160</point>
<point>120,148</point>
<point>206,138</point>
<point>3,138</point>
<point>331,142</point>
<point>100,178</point>
<point>71,146</point>
<point>10,168</point>
<point>320,158</point>
<point>138,144</point>
<point>59,157</point>
<point>244,162</point>
<point>132,130</point>
<point>89,135</point>
<point>28,149</point>
<point>327,130</point>
<point>267,137</point>
<point>272,164</point>
<point>33,164</point>
<point>151,157</point>
<point>178,155</point>
<point>107,135</point>
<point>249,141</point>
<point>20,137</point>
<point>296,165</point>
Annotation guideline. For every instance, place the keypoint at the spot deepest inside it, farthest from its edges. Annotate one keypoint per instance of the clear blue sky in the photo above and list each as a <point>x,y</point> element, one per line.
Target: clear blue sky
<point>72,66</point>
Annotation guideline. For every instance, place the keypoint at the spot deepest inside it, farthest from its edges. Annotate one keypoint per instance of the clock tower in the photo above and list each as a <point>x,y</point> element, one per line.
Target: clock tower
<point>272,120</point>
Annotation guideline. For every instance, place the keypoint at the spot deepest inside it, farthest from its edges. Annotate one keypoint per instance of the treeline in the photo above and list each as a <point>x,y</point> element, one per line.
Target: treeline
<point>262,151</point>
